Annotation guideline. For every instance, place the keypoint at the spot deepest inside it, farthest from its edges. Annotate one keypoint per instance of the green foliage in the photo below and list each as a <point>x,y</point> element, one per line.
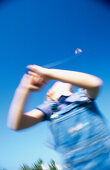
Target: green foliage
<point>38,166</point>
<point>25,167</point>
<point>52,166</point>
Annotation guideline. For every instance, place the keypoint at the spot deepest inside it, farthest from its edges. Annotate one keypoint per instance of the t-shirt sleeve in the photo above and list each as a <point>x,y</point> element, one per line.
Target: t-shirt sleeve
<point>83,96</point>
<point>47,108</point>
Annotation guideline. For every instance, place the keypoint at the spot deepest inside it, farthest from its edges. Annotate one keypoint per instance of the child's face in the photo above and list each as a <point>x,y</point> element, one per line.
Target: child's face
<point>59,89</point>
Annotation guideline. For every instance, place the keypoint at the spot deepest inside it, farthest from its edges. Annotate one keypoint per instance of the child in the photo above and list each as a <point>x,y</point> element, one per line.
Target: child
<point>78,128</point>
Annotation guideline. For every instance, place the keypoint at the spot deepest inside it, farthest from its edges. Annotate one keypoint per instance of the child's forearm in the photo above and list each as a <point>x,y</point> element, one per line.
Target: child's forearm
<point>17,108</point>
<point>79,79</point>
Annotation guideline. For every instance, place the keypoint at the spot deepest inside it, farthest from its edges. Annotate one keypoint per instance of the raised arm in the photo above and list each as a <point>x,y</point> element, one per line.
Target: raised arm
<point>17,119</point>
<point>90,83</point>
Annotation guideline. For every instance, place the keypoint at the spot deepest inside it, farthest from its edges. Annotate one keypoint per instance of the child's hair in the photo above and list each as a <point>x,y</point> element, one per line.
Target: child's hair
<point>61,84</point>
<point>59,88</point>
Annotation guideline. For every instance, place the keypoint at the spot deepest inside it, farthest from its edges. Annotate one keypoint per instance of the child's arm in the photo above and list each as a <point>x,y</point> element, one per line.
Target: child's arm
<point>17,119</point>
<point>90,83</point>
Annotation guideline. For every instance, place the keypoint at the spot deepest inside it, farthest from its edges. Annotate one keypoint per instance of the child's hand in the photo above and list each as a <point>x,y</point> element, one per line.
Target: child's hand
<point>31,83</point>
<point>39,71</point>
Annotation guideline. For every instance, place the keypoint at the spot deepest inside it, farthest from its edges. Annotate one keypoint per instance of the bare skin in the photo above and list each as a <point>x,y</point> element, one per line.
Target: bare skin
<point>17,119</point>
<point>34,80</point>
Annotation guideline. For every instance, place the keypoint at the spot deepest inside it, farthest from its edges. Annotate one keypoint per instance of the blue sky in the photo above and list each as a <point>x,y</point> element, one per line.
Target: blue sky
<point>41,32</point>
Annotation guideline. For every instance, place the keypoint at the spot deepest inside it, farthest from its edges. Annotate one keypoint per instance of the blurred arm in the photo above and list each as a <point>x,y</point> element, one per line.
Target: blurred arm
<point>90,83</point>
<point>17,119</point>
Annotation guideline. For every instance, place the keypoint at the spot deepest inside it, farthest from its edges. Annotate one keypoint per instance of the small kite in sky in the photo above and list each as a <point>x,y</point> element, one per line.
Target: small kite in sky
<point>59,62</point>
<point>78,50</point>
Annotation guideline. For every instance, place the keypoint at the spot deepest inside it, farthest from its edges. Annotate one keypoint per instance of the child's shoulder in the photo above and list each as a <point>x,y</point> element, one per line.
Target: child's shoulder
<point>78,96</point>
